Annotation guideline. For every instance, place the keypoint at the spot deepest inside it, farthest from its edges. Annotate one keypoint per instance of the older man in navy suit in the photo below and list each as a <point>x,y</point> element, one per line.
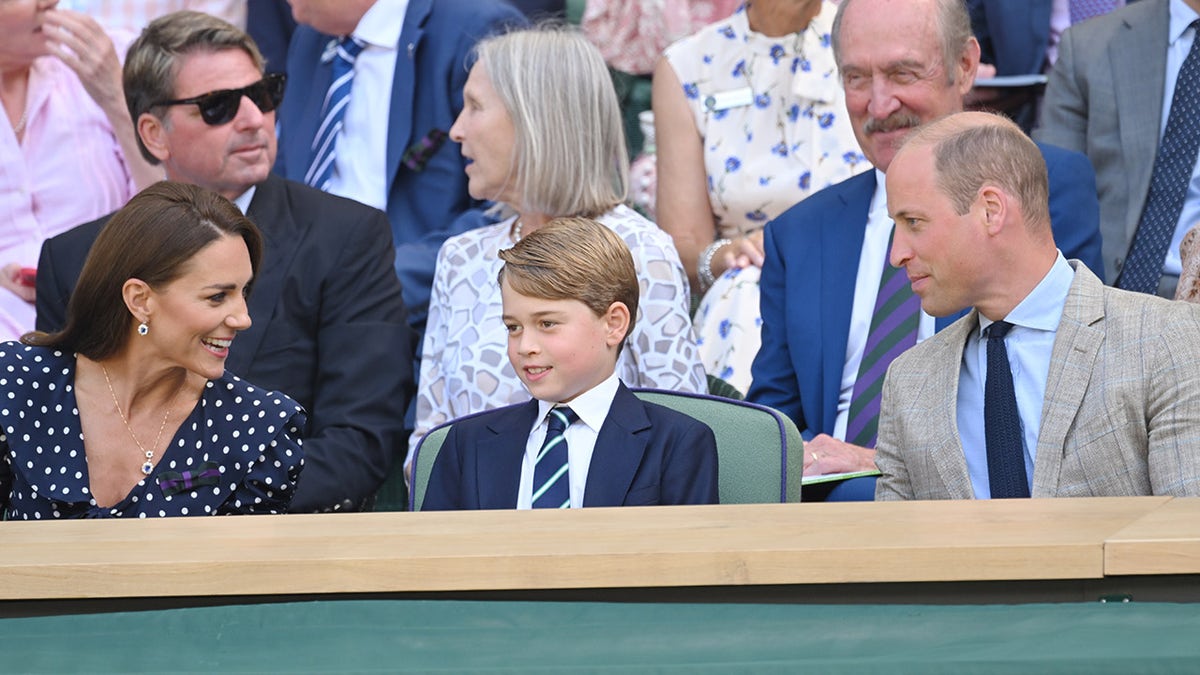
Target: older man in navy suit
<point>826,256</point>
<point>405,63</point>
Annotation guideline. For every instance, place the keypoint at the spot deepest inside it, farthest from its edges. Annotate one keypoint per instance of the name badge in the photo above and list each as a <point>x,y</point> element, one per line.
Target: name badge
<point>734,98</point>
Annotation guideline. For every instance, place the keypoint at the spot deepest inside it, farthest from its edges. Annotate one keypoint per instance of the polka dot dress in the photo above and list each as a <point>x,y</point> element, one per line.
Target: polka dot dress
<point>239,450</point>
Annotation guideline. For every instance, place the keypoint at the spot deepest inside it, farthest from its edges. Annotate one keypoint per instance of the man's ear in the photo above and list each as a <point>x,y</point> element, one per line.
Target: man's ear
<point>153,133</point>
<point>139,299</point>
<point>994,206</point>
<point>616,318</point>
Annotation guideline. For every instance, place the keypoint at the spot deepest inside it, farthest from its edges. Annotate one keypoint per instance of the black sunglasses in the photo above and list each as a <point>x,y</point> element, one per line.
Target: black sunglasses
<point>221,106</point>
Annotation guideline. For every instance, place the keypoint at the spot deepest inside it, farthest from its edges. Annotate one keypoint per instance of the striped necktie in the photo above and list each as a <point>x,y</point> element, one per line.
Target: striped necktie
<point>333,113</point>
<point>1173,166</point>
<point>551,479</point>
<point>893,330</point>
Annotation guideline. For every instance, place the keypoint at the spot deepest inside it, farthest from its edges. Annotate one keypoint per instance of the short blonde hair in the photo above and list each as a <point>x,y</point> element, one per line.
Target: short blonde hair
<point>570,157</point>
<point>574,258</point>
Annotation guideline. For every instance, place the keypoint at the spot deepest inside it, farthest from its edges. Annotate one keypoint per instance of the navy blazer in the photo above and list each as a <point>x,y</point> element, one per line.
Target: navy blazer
<point>811,266</point>
<point>328,330</point>
<point>1013,36</point>
<point>645,454</point>
<point>431,68</point>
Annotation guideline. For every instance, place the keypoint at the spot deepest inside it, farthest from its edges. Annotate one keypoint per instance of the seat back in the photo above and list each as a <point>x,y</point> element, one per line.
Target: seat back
<point>760,453</point>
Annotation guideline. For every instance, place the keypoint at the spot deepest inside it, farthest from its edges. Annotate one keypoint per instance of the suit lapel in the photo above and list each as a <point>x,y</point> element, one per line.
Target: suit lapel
<point>404,85</point>
<point>1076,347</point>
<point>271,211</point>
<point>841,241</point>
<point>1138,58</point>
<point>941,388</point>
<point>618,452</point>
<point>498,462</point>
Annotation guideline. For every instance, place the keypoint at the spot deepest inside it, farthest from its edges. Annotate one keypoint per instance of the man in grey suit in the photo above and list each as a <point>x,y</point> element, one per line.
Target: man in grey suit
<point>1109,96</point>
<point>1054,385</point>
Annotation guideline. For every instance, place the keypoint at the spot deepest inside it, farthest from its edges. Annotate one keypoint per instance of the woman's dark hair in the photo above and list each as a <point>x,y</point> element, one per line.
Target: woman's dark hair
<point>152,238</point>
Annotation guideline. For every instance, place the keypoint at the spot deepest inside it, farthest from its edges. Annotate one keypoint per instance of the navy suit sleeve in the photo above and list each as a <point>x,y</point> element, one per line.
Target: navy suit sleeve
<point>364,377</point>
<point>690,468</point>
<point>1075,207</point>
<point>51,295</point>
<point>774,383</point>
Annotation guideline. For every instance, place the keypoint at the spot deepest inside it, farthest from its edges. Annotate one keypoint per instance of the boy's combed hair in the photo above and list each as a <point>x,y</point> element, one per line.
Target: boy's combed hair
<point>573,258</point>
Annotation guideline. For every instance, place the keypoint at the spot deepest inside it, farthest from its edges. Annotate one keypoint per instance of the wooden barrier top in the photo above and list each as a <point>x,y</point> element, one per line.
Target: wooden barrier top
<point>1164,541</point>
<point>582,548</point>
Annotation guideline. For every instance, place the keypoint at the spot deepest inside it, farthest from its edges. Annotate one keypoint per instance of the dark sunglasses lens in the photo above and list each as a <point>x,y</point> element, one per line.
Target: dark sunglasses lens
<point>220,107</point>
<point>267,94</point>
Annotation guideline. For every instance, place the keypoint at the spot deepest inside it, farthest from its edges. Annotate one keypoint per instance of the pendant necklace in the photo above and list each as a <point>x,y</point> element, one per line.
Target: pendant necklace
<point>148,465</point>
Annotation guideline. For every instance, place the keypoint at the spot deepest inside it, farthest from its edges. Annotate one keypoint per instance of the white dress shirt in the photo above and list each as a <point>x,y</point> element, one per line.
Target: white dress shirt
<point>592,407</point>
<point>360,165</point>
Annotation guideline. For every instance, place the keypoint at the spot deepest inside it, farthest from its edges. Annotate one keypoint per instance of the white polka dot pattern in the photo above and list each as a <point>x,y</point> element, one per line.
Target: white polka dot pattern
<point>229,467</point>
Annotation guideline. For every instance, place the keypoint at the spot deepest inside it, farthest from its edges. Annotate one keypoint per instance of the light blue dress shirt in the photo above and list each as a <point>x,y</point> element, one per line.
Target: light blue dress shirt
<point>1030,343</point>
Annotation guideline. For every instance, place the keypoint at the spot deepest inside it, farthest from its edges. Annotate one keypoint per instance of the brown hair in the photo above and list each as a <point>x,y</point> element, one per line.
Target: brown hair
<point>152,61</point>
<point>152,238</point>
<point>574,258</point>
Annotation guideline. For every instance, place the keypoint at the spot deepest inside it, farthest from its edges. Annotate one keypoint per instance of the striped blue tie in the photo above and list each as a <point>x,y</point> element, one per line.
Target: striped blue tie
<point>333,112</point>
<point>551,482</point>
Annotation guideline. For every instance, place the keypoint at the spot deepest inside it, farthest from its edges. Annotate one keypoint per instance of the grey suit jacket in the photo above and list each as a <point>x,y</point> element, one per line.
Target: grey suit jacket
<point>1121,414</point>
<point>1104,99</point>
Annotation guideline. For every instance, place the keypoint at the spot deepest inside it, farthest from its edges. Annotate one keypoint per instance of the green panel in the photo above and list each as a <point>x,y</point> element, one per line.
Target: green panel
<point>447,636</point>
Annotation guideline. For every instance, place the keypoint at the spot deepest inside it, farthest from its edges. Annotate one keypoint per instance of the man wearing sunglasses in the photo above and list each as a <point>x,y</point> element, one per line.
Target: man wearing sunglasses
<point>329,324</point>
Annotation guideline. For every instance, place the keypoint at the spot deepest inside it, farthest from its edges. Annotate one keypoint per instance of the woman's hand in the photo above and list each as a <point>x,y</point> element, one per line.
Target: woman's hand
<point>741,252</point>
<point>83,45</point>
<point>10,278</point>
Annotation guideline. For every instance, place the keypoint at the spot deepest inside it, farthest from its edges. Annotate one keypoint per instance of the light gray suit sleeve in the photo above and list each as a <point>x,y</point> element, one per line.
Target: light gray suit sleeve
<point>1064,114</point>
<point>1173,402</point>
<point>893,483</point>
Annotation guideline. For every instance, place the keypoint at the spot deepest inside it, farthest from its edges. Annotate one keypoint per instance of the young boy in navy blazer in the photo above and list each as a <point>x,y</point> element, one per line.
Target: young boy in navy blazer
<point>570,297</point>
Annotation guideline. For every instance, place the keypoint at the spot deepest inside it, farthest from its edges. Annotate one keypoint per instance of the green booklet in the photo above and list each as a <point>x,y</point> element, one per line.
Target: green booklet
<point>830,477</point>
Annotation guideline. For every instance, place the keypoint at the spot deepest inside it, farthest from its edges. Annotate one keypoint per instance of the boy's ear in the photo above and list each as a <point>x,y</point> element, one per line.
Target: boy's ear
<point>616,317</point>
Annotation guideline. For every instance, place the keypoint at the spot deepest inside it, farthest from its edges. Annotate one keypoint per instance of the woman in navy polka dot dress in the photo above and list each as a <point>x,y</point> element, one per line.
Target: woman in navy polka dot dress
<point>128,411</point>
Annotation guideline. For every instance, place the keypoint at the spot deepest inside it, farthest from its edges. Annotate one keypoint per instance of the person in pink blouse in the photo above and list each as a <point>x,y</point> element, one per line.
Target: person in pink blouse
<point>632,34</point>
<point>67,152</point>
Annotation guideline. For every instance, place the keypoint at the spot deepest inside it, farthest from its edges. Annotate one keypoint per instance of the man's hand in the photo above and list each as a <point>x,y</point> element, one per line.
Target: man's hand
<point>825,454</point>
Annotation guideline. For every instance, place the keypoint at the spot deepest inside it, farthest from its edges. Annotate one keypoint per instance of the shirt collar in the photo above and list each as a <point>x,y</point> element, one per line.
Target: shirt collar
<point>382,24</point>
<point>1042,308</point>
<point>242,201</point>
<point>1182,16</point>
<point>591,406</point>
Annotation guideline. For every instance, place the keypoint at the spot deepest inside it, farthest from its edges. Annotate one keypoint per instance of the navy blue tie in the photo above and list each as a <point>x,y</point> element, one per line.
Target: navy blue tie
<point>551,479</point>
<point>1001,421</point>
<point>1173,167</point>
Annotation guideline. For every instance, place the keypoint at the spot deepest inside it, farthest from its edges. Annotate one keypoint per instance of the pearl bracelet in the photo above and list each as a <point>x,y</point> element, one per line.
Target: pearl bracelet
<point>704,264</point>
